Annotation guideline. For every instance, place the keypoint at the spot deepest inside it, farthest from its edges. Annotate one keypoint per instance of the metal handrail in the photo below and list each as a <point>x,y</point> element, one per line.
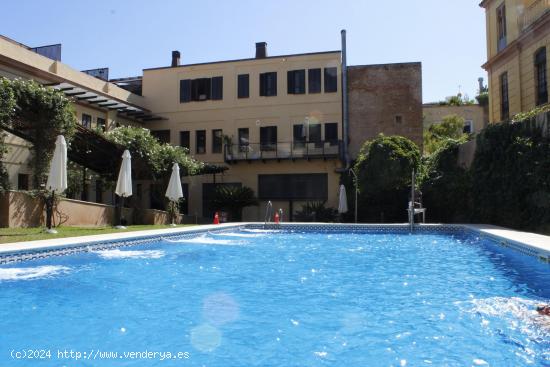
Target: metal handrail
<point>268,212</point>
<point>283,150</point>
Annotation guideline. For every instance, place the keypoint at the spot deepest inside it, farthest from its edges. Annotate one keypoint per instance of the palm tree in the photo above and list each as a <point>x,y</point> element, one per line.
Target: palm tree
<point>233,199</point>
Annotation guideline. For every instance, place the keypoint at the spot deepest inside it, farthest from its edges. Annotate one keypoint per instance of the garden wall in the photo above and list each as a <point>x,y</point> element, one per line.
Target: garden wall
<point>19,209</point>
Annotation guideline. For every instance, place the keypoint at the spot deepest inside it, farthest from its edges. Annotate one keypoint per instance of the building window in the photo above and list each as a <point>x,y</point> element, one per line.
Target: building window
<point>268,138</point>
<point>217,88</point>
<point>86,121</point>
<point>331,133</point>
<point>315,133</point>
<point>540,74</point>
<point>331,80</point>
<point>314,80</point>
<point>468,127</point>
<point>22,181</point>
<point>243,89</point>
<point>268,84</point>
<point>185,141</point>
<point>398,119</point>
<point>504,103</point>
<point>161,135</point>
<point>501,27</point>
<point>299,135</point>
<point>313,186</point>
<point>185,91</point>
<point>243,139</point>
<point>201,141</point>
<point>217,140</point>
<point>296,81</point>
<point>101,124</point>
<point>201,89</point>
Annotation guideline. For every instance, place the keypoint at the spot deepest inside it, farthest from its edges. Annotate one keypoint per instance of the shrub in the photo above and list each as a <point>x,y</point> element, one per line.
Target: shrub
<point>446,185</point>
<point>233,199</point>
<point>316,212</point>
<point>384,168</point>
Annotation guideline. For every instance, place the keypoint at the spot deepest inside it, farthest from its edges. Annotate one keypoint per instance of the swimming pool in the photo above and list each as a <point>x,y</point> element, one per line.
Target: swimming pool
<point>251,297</point>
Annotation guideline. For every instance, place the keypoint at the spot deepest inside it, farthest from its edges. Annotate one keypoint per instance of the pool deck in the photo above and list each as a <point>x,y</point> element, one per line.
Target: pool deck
<point>535,244</point>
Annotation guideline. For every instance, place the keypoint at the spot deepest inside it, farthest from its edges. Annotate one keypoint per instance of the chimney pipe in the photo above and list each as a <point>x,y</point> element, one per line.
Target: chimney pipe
<point>175,58</point>
<point>261,50</point>
<point>345,111</point>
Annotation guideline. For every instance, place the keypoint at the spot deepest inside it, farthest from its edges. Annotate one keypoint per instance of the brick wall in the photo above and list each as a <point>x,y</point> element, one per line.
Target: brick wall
<point>384,99</point>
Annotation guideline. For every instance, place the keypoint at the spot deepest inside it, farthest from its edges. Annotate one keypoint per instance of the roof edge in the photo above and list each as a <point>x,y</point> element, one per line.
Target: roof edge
<point>247,59</point>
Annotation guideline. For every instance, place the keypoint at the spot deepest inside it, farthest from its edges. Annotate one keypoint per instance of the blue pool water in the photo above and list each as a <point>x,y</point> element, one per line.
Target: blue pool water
<point>260,298</point>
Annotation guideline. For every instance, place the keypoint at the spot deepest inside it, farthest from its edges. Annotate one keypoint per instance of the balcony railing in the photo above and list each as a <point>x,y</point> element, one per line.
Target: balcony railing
<point>533,13</point>
<point>282,150</point>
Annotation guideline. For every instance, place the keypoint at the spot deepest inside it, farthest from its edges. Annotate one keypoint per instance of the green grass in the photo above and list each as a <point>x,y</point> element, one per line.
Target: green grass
<point>31,234</point>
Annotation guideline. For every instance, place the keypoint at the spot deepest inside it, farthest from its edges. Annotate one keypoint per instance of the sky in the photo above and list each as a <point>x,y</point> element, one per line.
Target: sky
<point>447,36</point>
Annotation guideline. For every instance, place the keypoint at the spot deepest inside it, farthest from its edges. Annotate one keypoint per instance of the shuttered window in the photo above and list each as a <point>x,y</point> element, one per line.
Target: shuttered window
<point>331,80</point>
<point>540,74</point>
<point>243,86</point>
<point>217,88</point>
<point>268,84</point>
<point>314,80</point>
<point>504,102</point>
<point>184,139</point>
<point>331,133</point>
<point>201,141</point>
<point>268,138</point>
<point>185,90</point>
<point>217,140</point>
<point>296,82</point>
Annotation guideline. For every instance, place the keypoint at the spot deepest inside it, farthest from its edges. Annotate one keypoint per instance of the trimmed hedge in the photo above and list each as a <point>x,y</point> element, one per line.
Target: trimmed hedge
<point>511,177</point>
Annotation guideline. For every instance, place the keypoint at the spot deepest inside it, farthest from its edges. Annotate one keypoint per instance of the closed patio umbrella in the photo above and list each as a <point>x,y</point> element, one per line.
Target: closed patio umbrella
<point>174,191</point>
<point>342,200</point>
<point>57,177</point>
<point>124,182</point>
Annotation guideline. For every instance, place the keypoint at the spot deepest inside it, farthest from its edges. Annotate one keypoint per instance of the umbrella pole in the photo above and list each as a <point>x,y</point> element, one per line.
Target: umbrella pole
<point>49,213</point>
<point>121,210</point>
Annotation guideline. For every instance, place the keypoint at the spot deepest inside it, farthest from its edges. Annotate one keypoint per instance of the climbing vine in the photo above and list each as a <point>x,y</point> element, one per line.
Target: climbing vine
<point>41,114</point>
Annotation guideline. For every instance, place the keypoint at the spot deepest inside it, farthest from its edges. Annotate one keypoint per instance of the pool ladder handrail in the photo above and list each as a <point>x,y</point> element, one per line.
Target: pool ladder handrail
<point>268,212</point>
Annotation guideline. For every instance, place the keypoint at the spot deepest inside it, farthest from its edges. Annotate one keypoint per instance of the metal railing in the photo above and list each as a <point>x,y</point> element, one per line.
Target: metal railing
<point>532,13</point>
<point>283,150</point>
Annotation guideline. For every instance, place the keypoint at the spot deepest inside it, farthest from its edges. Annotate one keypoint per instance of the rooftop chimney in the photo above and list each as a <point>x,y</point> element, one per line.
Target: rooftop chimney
<point>175,58</point>
<point>261,50</point>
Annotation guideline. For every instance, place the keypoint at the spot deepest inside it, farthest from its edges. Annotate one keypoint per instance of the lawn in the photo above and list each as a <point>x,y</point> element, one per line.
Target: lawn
<point>32,234</point>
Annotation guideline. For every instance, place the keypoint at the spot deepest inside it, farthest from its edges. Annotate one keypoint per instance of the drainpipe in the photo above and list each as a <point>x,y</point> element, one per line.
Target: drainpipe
<point>345,122</point>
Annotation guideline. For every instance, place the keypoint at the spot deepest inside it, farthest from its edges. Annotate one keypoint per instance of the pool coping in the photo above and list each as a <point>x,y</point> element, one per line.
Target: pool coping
<point>531,244</point>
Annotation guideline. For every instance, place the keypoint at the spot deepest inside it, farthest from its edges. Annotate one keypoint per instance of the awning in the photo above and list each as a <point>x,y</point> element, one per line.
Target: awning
<point>124,109</point>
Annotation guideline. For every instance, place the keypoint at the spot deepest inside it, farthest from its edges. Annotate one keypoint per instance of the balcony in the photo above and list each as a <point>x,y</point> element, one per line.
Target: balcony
<point>282,151</point>
<point>532,13</point>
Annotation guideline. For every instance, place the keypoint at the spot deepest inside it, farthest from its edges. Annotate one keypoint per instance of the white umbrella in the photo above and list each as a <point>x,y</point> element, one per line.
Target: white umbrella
<point>174,191</point>
<point>57,178</point>
<point>124,182</point>
<point>342,200</point>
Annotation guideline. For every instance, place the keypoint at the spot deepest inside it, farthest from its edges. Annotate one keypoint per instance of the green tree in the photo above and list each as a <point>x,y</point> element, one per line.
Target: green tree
<point>451,128</point>
<point>233,199</point>
<point>384,168</point>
